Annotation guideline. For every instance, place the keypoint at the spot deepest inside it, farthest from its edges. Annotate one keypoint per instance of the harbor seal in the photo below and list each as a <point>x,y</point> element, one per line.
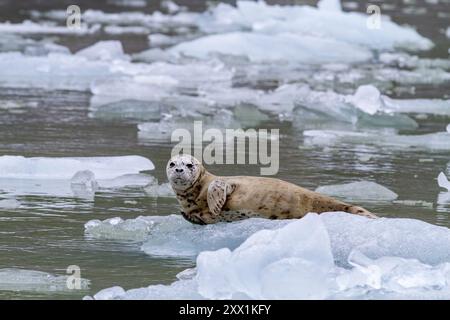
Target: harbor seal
<point>206,198</point>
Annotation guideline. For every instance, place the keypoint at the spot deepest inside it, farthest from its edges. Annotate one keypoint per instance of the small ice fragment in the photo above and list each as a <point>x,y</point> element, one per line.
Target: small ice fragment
<point>110,293</point>
<point>367,98</point>
<point>104,50</point>
<point>162,190</point>
<point>426,160</point>
<point>329,5</point>
<point>448,128</point>
<point>19,167</point>
<point>85,178</point>
<point>13,279</point>
<point>443,181</point>
<point>9,204</point>
<point>415,203</point>
<point>361,190</point>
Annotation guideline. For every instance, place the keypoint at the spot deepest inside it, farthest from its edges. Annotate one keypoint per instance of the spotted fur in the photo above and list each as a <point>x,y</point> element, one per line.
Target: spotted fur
<point>207,199</point>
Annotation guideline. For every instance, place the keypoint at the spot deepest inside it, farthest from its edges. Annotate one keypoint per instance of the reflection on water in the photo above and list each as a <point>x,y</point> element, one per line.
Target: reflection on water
<point>44,229</point>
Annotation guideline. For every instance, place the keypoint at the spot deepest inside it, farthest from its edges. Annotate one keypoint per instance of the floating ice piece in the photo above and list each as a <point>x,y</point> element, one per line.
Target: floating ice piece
<point>342,256</point>
<point>367,98</point>
<point>129,3</point>
<point>127,109</point>
<point>283,268</point>
<point>433,141</point>
<point>9,204</point>
<point>29,27</point>
<point>162,190</point>
<point>361,190</point>
<point>329,5</point>
<point>19,167</point>
<point>443,181</point>
<point>291,47</point>
<point>448,32</point>
<point>425,106</point>
<point>364,108</point>
<point>12,279</point>
<point>104,50</point>
<point>55,71</point>
<point>115,30</point>
<point>109,294</point>
<point>415,203</point>
<point>116,228</point>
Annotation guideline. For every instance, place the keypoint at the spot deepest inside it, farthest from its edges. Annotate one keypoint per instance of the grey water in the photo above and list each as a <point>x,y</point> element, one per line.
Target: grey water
<point>47,233</point>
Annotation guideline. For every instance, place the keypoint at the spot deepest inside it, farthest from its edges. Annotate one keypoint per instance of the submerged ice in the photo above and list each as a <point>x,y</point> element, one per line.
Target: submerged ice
<point>361,190</point>
<point>340,256</point>
<point>14,279</point>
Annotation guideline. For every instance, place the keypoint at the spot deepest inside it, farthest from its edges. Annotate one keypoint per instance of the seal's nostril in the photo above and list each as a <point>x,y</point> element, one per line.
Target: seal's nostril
<point>179,170</point>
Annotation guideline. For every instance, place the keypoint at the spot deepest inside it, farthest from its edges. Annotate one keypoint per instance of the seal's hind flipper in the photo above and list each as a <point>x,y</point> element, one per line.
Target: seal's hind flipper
<point>218,190</point>
<point>192,219</point>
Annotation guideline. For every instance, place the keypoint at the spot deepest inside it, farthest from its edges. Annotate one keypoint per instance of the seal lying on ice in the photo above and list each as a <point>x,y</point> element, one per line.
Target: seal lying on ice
<point>207,198</point>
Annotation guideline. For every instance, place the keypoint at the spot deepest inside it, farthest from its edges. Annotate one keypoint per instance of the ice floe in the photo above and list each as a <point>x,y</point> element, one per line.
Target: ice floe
<point>341,256</point>
<point>30,27</point>
<point>19,167</point>
<point>9,204</point>
<point>292,47</point>
<point>443,181</point>
<point>360,190</point>
<point>159,190</point>
<point>432,141</point>
<point>13,279</point>
<point>104,50</point>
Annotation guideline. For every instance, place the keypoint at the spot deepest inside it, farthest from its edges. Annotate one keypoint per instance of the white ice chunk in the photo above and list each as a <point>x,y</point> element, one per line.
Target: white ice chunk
<point>29,27</point>
<point>334,255</point>
<point>433,141</point>
<point>271,265</point>
<point>286,46</point>
<point>109,294</point>
<point>115,30</point>
<point>162,190</point>
<point>104,50</point>
<point>367,98</point>
<point>329,5</point>
<point>361,190</point>
<point>425,106</point>
<point>9,204</point>
<point>19,167</point>
<point>116,228</point>
<point>443,181</point>
<point>13,279</point>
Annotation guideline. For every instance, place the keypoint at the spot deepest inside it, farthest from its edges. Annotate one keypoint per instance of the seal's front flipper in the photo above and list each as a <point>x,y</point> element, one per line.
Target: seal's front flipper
<point>218,190</point>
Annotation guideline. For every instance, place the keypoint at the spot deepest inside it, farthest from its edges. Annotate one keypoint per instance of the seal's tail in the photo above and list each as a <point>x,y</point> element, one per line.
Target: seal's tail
<point>361,212</point>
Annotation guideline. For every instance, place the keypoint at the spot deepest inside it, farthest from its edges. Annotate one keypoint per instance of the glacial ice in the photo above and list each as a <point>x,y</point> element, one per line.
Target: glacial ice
<point>30,27</point>
<point>55,71</point>
<point>433,141</point>
<point>360,190</point>
<point>260,17</point>
<point>341,256</point>
<point>9,204</point>
<point>13,279</point>
<point>443,181</point>
<point>104,50</point>
<point>159,190</point>
<point>18,167</point>
<point>292,47</point>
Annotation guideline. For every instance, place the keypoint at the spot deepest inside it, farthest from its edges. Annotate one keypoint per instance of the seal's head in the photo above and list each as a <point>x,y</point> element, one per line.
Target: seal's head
<point>183,171</point>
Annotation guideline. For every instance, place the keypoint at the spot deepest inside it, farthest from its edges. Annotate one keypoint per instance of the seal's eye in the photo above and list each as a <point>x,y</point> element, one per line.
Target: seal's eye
<point>189,165</point>
<point>171,165</point>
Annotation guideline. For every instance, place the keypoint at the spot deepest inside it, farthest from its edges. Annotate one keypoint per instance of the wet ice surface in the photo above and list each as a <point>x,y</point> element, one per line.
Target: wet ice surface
<point>119,87</point>
<point>341,256</point>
